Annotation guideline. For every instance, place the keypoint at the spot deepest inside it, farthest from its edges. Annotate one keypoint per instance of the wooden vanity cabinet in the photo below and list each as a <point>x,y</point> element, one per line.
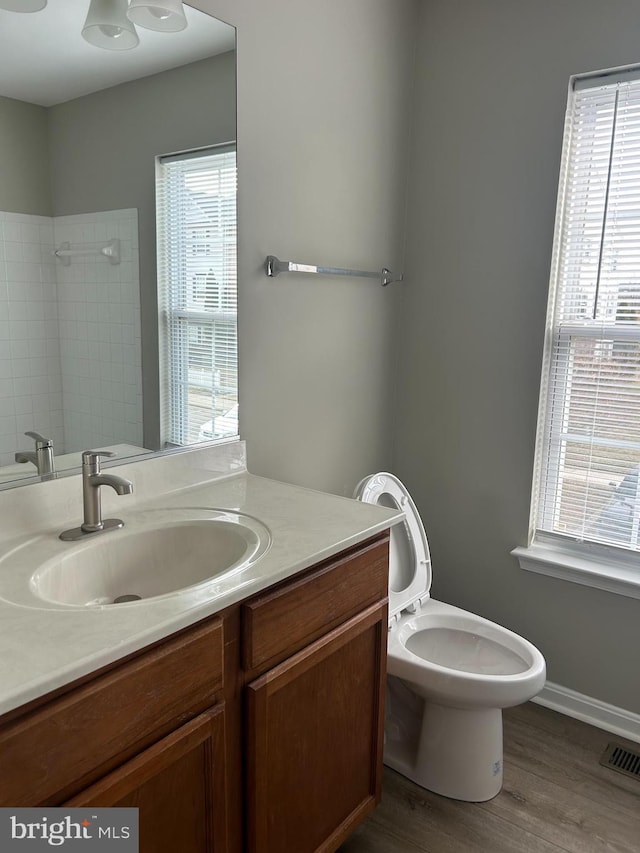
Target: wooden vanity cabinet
<point>259,729</point>
<point>149,733</point>
<point>314,720</point>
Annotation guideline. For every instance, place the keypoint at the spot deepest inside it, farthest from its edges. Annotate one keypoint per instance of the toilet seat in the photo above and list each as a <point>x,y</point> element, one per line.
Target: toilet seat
<point>514,675</point>
<point>409,557</point>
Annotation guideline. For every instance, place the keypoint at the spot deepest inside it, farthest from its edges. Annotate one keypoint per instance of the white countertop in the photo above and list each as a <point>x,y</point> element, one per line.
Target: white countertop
<point>44,648</point>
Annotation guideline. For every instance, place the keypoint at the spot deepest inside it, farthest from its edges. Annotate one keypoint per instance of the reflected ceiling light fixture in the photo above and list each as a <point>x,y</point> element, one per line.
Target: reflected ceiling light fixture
<point>23,5</point>
<point>107,26</point>
<point>165,16</point>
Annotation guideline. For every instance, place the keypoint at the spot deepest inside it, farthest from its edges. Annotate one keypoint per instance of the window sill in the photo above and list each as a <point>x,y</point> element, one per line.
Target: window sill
<point>558,562</point>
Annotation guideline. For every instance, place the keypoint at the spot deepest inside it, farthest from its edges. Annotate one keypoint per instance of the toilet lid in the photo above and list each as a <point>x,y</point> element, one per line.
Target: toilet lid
<point>409,558</point>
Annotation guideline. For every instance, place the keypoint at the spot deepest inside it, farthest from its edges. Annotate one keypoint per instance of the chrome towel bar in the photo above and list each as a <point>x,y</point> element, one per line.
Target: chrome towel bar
<point>273,266</point>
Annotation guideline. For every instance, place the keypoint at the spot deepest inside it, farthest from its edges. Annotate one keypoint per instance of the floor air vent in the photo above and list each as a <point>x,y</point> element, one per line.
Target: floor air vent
<point>623,760</point>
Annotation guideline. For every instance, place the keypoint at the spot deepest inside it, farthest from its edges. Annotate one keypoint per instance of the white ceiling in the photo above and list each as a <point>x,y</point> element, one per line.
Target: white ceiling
<point>44,59</point>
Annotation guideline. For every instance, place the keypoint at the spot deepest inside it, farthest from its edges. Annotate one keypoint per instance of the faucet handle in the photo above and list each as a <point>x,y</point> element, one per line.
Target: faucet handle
<point>40,440</point>
<point>93,455</point>
<point>91,459</point>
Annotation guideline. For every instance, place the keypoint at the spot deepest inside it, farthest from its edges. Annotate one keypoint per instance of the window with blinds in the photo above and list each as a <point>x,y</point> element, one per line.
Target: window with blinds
<point>588,450</point>
<point>197,283</point>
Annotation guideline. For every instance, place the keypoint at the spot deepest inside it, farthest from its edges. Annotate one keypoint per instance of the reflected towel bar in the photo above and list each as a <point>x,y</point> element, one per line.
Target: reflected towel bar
<point>273,266</point>
<point>110,250</point>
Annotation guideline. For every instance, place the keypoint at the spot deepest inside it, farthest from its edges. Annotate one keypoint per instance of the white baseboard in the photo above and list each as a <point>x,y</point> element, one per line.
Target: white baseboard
<point>589,710</point>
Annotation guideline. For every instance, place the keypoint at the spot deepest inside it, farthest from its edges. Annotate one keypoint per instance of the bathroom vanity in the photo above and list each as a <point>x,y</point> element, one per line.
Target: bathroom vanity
<point>249,718</point>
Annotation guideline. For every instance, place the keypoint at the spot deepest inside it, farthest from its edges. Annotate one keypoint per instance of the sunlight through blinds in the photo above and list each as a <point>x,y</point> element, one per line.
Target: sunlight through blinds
<point>588,451</point>
<point>197,237</point>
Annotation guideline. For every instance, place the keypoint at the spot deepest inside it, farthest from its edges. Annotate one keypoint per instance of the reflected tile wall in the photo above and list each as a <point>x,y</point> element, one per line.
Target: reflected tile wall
<point>99,320</point>
<point>30,373</point>
<point>70,350</point>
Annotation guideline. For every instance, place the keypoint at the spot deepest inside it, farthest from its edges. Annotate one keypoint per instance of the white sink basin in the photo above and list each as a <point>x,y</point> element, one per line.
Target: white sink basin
<point>158,553</point>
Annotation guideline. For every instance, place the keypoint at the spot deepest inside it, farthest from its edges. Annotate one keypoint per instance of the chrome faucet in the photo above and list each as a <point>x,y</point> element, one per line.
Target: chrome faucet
<point>42,457</point>
<point>92,480</point>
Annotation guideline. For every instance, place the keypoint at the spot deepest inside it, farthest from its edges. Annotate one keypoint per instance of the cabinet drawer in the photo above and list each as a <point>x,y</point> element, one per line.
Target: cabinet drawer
<point>53,752</point>
<point>282,622</point>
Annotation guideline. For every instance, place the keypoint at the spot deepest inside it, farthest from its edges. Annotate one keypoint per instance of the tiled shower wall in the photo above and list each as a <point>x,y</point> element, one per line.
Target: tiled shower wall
<point>30,376</point>
<point>99,318</point>
<point>70,357</point>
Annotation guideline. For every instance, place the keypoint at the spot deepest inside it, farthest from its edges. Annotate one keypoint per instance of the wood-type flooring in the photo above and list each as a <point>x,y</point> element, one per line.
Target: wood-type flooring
<point>556,798</point>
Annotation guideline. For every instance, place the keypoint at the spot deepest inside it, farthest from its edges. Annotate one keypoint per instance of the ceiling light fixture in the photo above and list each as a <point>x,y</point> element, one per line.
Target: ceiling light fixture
<point>23,5</point>
<point>107,26</point>
<point>165,16</point>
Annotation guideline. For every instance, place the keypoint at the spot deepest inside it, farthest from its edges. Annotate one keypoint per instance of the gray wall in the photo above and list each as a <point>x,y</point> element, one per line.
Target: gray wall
<point>102,150</point>
<point>25,184</point>
<point>323,121</point>
<point>492,83</point>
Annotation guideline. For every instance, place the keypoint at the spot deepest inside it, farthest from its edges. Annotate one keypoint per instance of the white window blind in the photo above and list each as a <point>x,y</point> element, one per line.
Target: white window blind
<point>588,449</point>
<point>197,237</point>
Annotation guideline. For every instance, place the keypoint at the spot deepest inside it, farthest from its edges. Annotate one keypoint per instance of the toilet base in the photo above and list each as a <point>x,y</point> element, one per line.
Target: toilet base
<point>456,752</point>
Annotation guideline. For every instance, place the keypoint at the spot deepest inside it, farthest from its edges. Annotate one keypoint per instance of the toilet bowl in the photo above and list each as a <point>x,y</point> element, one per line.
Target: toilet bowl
<point>450,672</point>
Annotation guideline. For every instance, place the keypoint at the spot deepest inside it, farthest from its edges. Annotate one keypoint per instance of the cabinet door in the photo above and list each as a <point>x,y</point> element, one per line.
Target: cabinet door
<point>178,785</point>
<point>314,740</point>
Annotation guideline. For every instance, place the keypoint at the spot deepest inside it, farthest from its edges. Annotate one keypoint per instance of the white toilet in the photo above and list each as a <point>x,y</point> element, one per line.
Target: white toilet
<point>450,672</point>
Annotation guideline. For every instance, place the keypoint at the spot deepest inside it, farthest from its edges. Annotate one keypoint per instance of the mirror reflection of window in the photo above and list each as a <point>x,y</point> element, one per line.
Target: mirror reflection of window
<point>197,285</point>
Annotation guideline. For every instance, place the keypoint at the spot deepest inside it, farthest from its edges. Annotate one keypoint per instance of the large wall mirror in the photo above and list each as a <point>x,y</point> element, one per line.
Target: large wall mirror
<point>117,233</point>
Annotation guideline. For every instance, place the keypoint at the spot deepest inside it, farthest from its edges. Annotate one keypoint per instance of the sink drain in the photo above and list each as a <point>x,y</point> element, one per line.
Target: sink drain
<point>122,599</point>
